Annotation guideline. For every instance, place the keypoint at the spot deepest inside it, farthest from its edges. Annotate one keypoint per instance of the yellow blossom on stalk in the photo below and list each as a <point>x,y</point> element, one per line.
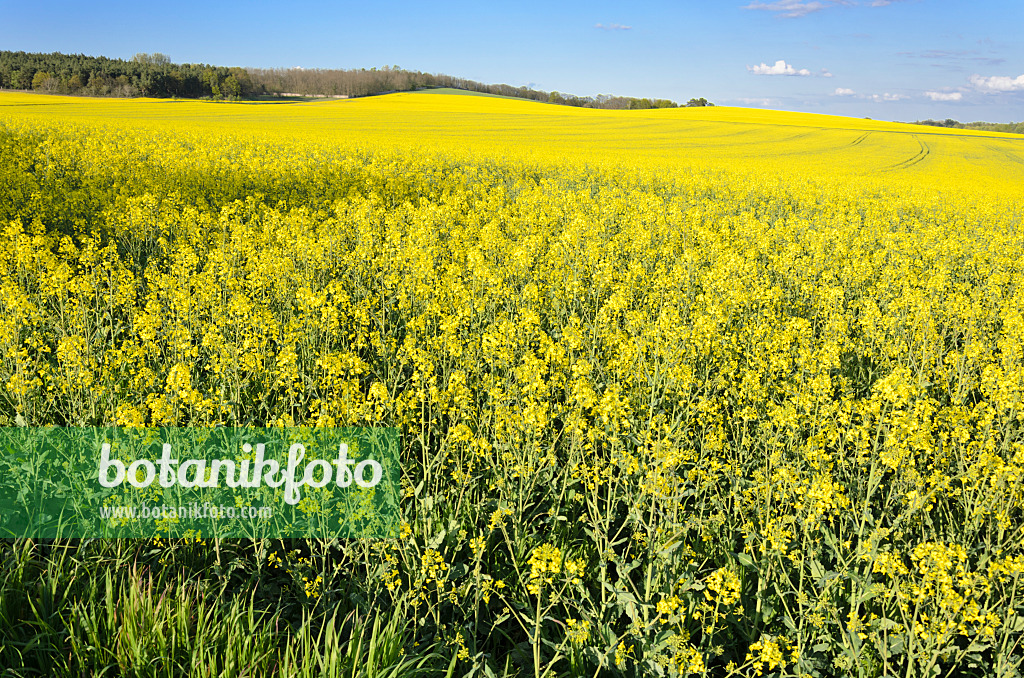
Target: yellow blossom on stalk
<point>312,586</point>
<point>668,606</point>
<point>433,567</point>
<point>575,568</point>
<point>622,653</point>
<point>770,652</point>
<point>725,587</point>
<point>545,562</point>
<point>689,661</point>
<point>578,631</point>
<point>498,518</point>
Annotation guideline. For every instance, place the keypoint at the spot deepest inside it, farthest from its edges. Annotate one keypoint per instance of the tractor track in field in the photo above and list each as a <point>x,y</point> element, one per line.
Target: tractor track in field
<point>859,139</point>
<point>1013,157</point>
<point>921,154</point>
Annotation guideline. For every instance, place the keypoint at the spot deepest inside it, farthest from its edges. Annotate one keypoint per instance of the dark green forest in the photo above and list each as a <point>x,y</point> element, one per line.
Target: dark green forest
<point>144,75</point>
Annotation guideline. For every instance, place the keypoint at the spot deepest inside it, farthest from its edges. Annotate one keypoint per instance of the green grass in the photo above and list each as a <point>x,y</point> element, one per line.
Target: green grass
<point>132,608</point>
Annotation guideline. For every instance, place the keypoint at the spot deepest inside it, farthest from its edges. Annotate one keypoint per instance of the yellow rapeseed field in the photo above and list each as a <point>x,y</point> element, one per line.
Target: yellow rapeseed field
<point>710,391</point>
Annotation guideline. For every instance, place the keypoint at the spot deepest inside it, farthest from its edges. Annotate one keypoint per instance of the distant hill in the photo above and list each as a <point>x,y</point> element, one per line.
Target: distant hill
<point>154,75</point>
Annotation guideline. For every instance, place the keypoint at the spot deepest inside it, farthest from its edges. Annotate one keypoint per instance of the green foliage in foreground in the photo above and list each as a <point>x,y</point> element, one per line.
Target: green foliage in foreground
<point>122,608</point>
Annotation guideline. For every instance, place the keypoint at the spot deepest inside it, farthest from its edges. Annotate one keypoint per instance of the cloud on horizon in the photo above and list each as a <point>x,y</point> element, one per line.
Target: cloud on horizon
<point>789,8</point>
<point>997,83</point>
<point>759,102</point>
<point>887,97</point>
<point>955,58</point>
<point>613,27</point>
<point>780,68</point>
<point>794,9</point>
<point>944,96</point>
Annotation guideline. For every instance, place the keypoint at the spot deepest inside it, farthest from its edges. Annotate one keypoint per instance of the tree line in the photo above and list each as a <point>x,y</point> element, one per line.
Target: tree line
<point>154,75</point>
<point>364,82</point>
<point>151,75</point>
<point>1011,127</point>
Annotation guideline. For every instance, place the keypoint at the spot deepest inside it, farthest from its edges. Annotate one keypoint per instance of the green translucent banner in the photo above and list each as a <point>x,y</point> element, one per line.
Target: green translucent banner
<point>199,482</point>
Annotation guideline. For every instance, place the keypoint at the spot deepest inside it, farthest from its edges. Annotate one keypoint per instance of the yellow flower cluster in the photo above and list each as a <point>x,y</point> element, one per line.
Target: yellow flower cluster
<point>578,631</point>
<point>545,562</point>
<point>723,587</point>
<point>313,586</point>
<point>771,653</point>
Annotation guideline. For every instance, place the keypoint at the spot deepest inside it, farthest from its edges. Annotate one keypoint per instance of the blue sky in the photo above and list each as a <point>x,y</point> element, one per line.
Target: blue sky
<point>885,59</point>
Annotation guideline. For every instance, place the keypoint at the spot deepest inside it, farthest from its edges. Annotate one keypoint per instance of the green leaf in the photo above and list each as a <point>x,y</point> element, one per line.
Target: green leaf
<point>1015,623</point>
<point>886,624</point>
<point>436,540</point>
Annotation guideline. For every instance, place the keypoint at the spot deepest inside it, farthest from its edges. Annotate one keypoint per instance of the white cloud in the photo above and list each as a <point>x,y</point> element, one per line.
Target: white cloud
<point>780,68</point>
<point>789,8</point>
<point>997,83</point>
<point>797,8</point>
<point>944,96</point>
<point>887,97</point>
<point>759,102</point>
<point>613,27</point>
